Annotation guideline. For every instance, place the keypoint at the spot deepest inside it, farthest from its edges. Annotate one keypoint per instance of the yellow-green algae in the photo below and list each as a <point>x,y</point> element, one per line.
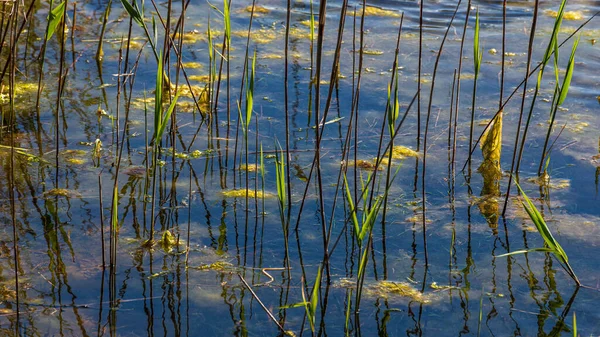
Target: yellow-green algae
<point>61,192</point>
<point>257,10</point>
<point>249,167</point>
<point>402,152</point>
<point>389,290</point>
<point>192,65</point>
<point>568,15</point>
<point>371,52</point>
<point>199,78</point>
<point>272,56</point>
<point>241,193</point>
<point>167,241</point>
<point>365,165</point>
<point>376,11</point>
<point>219,266</point>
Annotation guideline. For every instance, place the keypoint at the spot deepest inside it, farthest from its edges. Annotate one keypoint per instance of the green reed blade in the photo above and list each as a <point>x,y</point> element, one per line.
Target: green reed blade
<point>134,12</point>
<point>564,89</point>
<point>158,97</point>
<point>555,31</point>
<point>227,21</point>
<point>370,220</point>
<point>352,208</point>
<point>166,118</point>
<point>250,92</point>
<point>542,227</point>
<point>477,50</point>
<point>523,251</point>
<point>280,176</point>
<point>314,299</point>
<point>54,19</point>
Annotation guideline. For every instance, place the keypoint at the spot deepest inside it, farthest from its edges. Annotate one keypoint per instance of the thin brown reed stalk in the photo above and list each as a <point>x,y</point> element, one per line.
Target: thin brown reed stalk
<point>11,178</point>
<point>423,174</point>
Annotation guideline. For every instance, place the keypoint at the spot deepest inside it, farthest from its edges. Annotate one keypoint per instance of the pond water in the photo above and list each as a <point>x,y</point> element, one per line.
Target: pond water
<point>189,281</point>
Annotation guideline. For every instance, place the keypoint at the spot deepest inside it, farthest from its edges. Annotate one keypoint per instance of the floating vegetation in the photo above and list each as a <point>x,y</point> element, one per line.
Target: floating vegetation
<point>192,65</point>
<point>97,149</point>
<point>219,266</point>
<point>75,161</point>
<point>257,10</point>
<point>168,242</point>
<point>74,157</point>
<point>200,78</point>
<point>568,15</point>
<point>241,193</point>
<point>301,33</point>
<point>388,290</point>
<point>264,35</point>
<point>367,165</point>
<point>402,152</point>
<point>578,127</point>
<point>190,37</point>
<point>545,180</point>
<point>376,11</point>
<point>61,192</point>
<point>371,51</point>
<point>25,88</point>
<point>136,171</point>
<point>249,167</point>
<point>272,56</point>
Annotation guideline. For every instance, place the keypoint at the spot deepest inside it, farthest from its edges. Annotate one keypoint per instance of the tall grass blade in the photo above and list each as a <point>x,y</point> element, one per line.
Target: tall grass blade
<point>54,18</point>
<point>250,92</point>
<point>564,89</point>
<point>134,12</point>
<point>552,245</point>
<point>477,50</point>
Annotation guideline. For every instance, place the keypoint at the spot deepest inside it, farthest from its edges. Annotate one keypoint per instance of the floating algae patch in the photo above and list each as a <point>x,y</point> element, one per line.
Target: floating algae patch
<point>241,193</point>
<point>61,192</point>
<point>199,78</point>
<point>402,152</point>
<point>371,51</point>
<point>74,157</point>
<point>376,11</point>
<point>365,165</point>
<point>272,56</point>
<point>545,180</point>
<point>136,171</point>
<point>191,36</point>
<point>25,88</point>
<point>192,65</point>
<point>258,10</point>
<point>76,161</point>
<point>168,242</point>
<point>140,103</point>
<point>578,127</point>
<point>198,91</point>
<point>249,167</point>
<point>264,35</point>
<point>568,15</point>
<point>388,290</point>
<point>219,266</point>
<point>301,33</point>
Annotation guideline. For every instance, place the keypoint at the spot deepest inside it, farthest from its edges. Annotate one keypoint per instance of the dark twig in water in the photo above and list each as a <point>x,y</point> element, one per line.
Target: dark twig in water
<point>261,303</point>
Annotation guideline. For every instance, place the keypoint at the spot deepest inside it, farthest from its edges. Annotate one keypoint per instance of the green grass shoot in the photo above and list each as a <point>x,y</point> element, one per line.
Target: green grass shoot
<point>54,18</point>
<point>551,244</point>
